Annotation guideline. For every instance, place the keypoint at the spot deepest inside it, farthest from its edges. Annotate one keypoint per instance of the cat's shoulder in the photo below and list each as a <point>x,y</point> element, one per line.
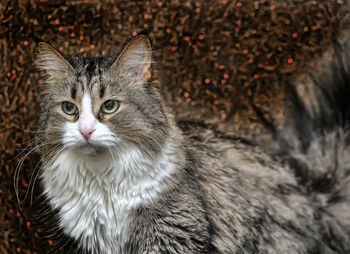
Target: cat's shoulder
<point>200,133</point>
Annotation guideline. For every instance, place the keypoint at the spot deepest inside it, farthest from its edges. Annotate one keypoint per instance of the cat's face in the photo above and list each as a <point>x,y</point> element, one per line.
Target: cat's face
<point>95,105</point>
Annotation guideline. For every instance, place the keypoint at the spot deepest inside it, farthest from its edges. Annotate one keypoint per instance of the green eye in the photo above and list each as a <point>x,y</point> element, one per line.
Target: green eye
<point>69,108</point>
<point>109,107</point>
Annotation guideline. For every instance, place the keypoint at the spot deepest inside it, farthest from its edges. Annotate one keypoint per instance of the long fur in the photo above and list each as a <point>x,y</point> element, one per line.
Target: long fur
<point>161,187</point>
<point>318,134</point>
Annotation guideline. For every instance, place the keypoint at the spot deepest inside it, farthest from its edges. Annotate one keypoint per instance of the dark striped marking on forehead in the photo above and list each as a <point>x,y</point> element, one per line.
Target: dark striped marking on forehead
<point>89,72</point>
<point>74,92</point>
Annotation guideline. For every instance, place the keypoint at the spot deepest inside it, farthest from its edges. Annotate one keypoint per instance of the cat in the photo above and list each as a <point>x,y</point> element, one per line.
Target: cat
<point>124,177</point>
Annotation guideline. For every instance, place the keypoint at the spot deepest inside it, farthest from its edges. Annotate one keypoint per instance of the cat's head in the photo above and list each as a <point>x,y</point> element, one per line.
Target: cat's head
<point>95,105</point>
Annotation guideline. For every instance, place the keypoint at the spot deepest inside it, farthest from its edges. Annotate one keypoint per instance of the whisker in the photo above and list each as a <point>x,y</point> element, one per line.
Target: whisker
<point>138,134</point>
<point>33,179</point>
<point>28,147</point>
<point>52,154</point>
<point>19,166</point>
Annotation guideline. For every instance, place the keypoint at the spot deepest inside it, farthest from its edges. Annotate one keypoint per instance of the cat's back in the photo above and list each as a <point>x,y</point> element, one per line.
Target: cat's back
<point>253,200</point>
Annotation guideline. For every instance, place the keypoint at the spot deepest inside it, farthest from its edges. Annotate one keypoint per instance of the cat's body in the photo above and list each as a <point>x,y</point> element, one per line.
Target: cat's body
<point>131,181</point>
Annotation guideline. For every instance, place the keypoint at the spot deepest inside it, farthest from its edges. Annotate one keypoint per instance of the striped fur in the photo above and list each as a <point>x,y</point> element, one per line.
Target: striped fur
<point>148,185</point>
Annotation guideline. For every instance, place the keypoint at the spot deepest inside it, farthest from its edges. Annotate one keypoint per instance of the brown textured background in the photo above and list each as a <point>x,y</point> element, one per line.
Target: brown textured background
<point>216,60</point>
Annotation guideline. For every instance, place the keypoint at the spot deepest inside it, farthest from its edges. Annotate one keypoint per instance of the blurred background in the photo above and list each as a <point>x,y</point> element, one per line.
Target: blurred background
<point>222,61</point>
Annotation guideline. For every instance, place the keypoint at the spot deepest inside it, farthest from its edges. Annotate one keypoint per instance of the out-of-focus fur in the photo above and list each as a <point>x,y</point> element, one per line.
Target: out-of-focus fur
<point>192,188</point>
<point>316,140</point>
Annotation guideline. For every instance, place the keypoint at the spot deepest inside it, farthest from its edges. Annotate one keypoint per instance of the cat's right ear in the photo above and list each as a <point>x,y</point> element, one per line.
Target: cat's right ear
<point>135,60</point>
<point>51,61</point>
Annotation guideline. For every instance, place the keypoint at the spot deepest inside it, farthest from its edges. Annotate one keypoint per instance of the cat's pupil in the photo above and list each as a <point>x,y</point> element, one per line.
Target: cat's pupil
<point>69,107</point>
<point>109,107</point>
<point>109,104</point>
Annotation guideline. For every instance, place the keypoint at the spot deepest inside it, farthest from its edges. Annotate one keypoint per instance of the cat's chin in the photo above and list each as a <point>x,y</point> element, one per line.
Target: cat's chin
<point>89,149</point>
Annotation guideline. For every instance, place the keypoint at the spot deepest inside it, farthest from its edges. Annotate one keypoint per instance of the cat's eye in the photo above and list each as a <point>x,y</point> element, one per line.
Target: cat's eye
<point>109,107</point>
<point>69,108</point>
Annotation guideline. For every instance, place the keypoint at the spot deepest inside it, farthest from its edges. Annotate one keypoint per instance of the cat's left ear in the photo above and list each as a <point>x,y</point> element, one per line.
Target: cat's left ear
<point>135,60</point>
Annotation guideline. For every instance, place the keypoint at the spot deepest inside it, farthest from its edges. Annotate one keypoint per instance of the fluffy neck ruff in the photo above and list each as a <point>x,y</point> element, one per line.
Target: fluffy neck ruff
<point>94,196</point>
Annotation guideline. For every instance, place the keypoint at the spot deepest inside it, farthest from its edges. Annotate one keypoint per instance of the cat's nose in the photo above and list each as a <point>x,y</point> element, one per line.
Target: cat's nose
<point>86,132</point>
<point>87,125</point>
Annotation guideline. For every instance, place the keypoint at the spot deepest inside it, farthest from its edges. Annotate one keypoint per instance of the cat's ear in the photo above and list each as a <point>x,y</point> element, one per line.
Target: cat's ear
<point>135,60</point>
<point>51,61</point>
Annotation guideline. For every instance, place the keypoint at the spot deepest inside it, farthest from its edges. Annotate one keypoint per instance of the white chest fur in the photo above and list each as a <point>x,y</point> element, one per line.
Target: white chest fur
<point>95,195</point>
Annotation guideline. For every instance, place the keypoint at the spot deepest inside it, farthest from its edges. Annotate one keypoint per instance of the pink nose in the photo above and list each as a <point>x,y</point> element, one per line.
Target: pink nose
<point>86,133</point>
